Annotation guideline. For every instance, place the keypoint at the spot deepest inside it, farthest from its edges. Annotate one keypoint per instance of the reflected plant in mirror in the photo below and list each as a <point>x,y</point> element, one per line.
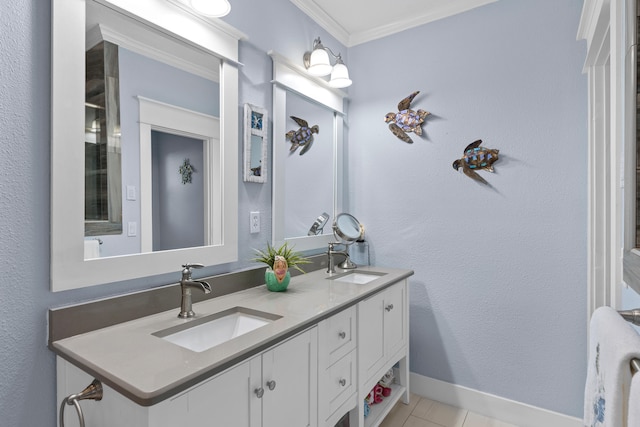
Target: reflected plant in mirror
<point>255,144</point>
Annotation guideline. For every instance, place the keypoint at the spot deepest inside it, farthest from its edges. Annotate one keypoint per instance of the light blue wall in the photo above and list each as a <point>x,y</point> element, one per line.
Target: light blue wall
<point>498,300</point>
<point>502,311</point>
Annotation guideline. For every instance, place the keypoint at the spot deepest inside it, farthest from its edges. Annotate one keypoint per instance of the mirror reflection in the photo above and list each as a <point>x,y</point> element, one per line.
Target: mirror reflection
<point>307,185</point>
<point>309,177</point>
<point>103,183</point>
<point>189,88</point>
<point>120,71</point>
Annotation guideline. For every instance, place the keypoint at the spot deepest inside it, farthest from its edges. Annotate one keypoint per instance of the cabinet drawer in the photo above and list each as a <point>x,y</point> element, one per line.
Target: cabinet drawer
<point>340,381</point>
<point>339,335</point>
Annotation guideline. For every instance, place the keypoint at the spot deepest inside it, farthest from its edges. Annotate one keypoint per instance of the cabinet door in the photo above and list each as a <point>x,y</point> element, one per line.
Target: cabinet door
<point>381,329</point>
<point>226,400</point>
<point>290,376</point>
<point>394,319</point>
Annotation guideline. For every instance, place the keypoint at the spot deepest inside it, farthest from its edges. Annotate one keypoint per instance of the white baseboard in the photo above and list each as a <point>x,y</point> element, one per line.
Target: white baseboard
<point>489,405</point>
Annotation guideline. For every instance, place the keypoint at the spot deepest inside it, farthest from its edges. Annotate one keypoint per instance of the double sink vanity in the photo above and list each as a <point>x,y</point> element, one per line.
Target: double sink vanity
<point>304,357</point>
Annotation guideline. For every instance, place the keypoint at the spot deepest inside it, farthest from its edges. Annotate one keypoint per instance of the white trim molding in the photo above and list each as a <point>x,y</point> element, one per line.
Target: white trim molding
<point>489,405</point>
<point>325,19</point>
<point>603,25</point>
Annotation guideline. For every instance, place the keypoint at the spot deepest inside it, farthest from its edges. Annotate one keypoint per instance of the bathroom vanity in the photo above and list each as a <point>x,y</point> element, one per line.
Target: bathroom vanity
<point>317,352</point>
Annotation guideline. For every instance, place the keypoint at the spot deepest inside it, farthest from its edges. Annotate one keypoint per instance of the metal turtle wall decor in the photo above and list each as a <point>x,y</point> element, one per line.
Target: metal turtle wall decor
<point>406,120</point>
<point>302,137</point>
<point>475,158</point>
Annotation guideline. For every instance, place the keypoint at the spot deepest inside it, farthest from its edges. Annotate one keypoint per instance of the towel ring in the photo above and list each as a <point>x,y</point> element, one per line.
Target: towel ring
<point>92,392</point>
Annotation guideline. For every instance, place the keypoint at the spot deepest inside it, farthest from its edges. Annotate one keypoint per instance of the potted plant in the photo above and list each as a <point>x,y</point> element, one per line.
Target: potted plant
<point>278,262</point>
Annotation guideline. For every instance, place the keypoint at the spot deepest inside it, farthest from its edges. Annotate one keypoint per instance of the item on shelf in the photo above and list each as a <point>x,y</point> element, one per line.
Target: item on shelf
<point>386,391</point>
<point>367,408</point>
<point>387,379</point>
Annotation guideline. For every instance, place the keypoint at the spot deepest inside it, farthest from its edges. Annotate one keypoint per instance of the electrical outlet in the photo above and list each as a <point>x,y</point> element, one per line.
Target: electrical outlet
<point>254,222</point>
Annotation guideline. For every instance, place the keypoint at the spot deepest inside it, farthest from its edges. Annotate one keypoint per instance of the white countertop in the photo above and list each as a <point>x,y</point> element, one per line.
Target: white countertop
<point>148,369</point>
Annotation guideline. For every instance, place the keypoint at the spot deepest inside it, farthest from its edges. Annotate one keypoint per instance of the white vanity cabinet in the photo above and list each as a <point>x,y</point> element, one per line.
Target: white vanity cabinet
<point>383,338</point>
<point>275,388</point>
<point>352,335</point>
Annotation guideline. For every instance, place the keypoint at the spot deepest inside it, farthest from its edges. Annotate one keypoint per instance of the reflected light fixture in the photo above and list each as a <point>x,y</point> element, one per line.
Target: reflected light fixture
<point>211,8</point>
<point>317,63</point>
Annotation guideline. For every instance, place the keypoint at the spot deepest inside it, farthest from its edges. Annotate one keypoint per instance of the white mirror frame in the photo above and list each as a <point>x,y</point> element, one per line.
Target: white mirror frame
<point>289,77</point>
<point>69,269</point>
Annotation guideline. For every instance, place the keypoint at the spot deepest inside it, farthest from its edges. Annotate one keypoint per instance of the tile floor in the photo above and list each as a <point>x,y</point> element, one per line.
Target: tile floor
<point>423,412</point>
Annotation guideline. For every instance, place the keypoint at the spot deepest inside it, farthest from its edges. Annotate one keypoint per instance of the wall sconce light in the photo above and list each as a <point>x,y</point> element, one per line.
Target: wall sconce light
<point>318,64</point>
<point>212,8</point>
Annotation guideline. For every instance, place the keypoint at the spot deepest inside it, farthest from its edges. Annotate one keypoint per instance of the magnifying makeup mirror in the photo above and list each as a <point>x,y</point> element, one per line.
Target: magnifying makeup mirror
<point>347,229</point>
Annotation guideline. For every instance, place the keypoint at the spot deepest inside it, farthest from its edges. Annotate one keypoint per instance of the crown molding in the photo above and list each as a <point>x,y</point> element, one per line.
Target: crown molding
<point>322,18</point>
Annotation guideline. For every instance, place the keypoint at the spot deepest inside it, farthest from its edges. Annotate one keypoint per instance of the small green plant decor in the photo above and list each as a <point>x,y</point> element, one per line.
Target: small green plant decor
<point>278,261</point>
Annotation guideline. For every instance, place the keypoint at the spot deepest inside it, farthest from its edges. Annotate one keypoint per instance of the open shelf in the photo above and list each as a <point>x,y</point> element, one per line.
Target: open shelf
<point>380,410</point>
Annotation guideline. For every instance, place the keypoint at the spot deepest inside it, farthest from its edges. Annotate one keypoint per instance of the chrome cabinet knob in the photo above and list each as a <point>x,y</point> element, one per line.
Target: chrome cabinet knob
<point>342,335</point>
<point>343,382</point>
<point>259,392</point>
<point>271,384</point>
<point>389,307</point>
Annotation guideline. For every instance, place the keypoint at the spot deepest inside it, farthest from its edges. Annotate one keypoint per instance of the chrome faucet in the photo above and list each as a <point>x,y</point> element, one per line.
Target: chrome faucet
<point>345,265</point>
<point>186,284</point>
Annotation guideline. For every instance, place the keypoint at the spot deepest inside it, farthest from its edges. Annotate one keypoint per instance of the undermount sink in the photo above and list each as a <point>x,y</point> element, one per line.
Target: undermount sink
<point>207,332</point>
<point>357,277</point>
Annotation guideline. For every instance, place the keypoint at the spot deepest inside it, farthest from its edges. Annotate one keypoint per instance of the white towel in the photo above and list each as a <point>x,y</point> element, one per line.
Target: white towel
<point>91,249</point>
<point>612,344</point>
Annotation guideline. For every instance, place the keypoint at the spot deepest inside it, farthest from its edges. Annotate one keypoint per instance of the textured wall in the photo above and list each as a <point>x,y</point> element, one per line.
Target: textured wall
<point>498,301</point>
<point>501,311</point>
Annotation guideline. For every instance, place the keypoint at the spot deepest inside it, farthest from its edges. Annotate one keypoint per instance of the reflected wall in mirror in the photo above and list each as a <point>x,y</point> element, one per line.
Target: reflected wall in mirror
<point>308,178</point>
<point>305,186</point>
<point>136,67</point>
<point>255,143</point>
<point>185,62</point>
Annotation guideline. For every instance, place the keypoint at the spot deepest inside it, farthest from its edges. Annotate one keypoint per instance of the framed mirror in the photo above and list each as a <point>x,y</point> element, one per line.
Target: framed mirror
<point>255,143</point>
<point>191,51</point>
<point>307,179</point>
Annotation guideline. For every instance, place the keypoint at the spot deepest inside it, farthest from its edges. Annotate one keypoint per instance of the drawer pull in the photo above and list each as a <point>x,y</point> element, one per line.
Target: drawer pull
<point>343,382</point>
<point>259,392</point>
<point>342,335</point>
<point>389,307</point>
<point>271,384</point>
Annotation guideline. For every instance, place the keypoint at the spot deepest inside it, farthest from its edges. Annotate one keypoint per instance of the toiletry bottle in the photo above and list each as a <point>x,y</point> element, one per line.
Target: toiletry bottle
<point>360,253</point>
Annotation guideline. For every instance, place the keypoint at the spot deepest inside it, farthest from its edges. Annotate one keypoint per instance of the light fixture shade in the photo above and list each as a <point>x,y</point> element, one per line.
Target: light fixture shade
<point>340,76</point>
<point>213,8</point>
<point>319,64</point>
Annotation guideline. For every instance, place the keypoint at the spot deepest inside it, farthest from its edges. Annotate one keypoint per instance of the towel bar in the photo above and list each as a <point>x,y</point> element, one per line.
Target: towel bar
<point>632,316</point>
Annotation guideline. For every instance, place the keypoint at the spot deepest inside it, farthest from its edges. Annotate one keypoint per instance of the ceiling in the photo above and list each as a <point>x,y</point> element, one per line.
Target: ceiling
<point>354,22</point>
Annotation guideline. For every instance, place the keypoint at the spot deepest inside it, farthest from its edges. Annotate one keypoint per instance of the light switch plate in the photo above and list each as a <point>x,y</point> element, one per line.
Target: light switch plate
<point>132,229</point>
<point>131,192</point>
